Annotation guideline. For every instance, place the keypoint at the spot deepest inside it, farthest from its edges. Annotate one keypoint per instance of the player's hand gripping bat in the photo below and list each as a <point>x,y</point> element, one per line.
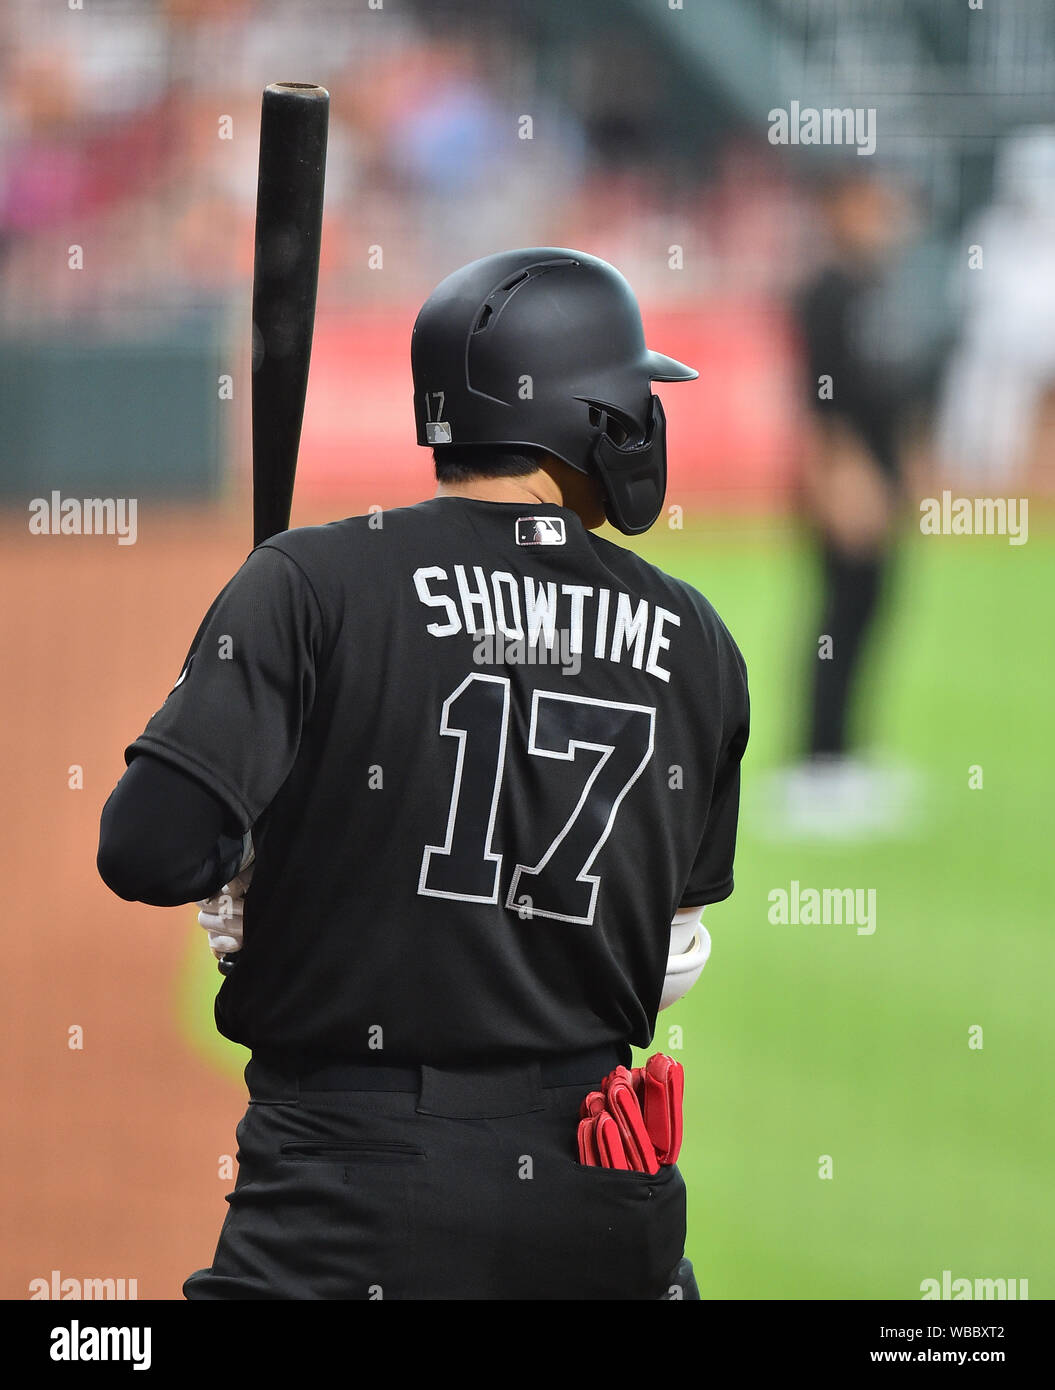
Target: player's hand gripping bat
<point>293,123</point>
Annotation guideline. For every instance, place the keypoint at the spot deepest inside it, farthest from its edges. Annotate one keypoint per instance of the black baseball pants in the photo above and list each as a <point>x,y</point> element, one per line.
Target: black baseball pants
<point>453,1184</point>
<point>852,589</point>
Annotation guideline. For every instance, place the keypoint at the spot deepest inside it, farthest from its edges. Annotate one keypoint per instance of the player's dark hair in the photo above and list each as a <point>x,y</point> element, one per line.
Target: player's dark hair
<point>461,464</point>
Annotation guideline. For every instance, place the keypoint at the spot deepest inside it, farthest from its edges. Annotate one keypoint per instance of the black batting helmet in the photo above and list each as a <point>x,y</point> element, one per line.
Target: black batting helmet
<point>544,347</point>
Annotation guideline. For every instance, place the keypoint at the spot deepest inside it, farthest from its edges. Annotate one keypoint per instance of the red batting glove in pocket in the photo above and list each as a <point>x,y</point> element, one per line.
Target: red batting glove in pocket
<point>610,1147</point>
<point>661,1085</point>
<point>600,1142</point>
<point>635,1121</point>
<point>623,1105</point>
<point>591,1107</point>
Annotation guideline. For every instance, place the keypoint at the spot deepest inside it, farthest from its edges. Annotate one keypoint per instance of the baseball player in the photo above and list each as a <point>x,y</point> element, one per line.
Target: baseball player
<point>851,491</point>
<point>453,783</point>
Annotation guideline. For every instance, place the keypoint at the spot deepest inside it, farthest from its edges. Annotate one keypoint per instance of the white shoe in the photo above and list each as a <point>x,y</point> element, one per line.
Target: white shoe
<point>838,798</point>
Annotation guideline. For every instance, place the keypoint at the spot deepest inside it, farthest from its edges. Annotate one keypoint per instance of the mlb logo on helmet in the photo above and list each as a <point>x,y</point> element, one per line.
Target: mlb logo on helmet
<point>540,530</point>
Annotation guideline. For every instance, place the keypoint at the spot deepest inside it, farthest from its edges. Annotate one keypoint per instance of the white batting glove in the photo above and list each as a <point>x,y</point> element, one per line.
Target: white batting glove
<point>221,915</point>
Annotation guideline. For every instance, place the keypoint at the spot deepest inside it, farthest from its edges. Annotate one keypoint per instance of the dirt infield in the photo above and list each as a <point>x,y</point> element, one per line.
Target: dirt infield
<point>112,1149</point>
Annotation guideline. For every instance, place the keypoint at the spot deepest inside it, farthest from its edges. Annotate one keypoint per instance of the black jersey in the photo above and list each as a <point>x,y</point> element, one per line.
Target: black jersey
<point>485,755</point>
<point>868,393</point>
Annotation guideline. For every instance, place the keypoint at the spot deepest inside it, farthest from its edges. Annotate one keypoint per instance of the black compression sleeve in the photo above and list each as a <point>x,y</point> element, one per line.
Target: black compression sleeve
<point>164,839</point>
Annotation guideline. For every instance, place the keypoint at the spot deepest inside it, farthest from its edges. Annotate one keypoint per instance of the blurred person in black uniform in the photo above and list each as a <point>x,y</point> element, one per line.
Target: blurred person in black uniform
<point>856,383</point>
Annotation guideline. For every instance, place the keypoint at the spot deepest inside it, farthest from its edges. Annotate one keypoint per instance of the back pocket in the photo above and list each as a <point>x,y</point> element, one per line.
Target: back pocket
<point>579,1233</point>
<point>641,1218</point>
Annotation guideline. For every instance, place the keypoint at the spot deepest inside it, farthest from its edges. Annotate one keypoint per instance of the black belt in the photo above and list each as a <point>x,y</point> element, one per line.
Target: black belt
<point>587,1068</point>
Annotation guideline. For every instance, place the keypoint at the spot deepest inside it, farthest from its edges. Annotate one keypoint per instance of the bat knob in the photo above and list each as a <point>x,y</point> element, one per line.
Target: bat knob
<point>226,964</point>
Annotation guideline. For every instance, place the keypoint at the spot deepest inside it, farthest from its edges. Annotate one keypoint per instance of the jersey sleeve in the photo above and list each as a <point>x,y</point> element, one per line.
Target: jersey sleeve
<point>711,878</point>
<point>234,718</point>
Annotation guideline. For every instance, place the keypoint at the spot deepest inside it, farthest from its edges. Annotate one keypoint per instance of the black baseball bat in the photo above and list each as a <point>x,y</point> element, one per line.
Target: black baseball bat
<point>289,194</point>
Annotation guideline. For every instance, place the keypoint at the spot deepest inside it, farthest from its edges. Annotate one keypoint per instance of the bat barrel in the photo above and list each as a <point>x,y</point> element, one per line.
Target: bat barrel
<point>293,128</point>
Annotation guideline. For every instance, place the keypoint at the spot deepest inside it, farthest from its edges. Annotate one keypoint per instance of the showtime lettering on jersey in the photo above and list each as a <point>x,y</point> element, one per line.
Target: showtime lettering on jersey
<point>614,626</point>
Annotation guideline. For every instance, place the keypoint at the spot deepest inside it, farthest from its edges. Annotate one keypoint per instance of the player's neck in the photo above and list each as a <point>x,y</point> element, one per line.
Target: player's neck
<point>533,487</point>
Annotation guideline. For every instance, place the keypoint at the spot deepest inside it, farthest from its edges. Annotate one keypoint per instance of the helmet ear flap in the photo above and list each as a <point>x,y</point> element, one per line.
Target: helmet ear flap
<point>634,477</point>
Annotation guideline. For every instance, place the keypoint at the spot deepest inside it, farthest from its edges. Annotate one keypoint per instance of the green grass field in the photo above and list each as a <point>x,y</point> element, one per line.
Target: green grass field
<point>803,1041</point>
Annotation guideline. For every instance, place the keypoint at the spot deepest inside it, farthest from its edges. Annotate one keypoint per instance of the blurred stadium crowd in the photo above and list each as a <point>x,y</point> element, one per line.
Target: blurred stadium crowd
<point>111,124</point>
<point>634,130</point>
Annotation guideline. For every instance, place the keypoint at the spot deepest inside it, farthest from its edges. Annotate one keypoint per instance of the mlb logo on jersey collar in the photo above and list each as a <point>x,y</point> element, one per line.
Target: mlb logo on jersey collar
<point>540,530</point>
